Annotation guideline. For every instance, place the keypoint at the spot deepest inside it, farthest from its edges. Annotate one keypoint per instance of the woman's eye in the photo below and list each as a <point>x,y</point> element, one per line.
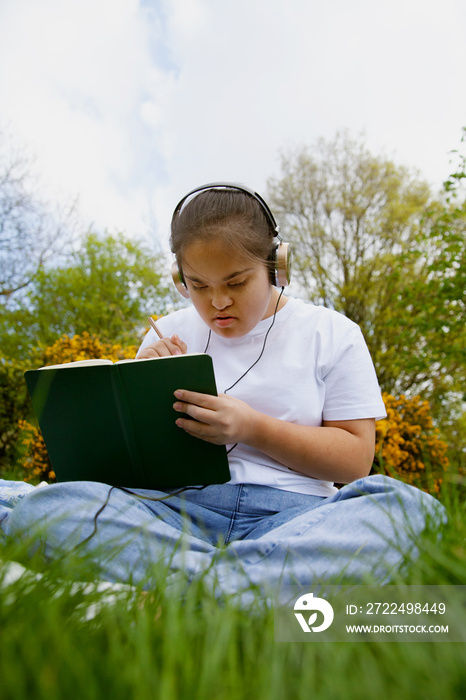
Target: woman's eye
<point>237,284</point>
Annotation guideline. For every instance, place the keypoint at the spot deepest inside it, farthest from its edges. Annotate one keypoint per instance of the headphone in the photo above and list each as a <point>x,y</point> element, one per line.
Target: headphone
<point>280,273</point>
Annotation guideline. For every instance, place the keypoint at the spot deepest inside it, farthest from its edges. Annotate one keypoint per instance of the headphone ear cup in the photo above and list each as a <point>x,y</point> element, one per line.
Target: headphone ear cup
<point>178,280</point>
<point>281,273</point>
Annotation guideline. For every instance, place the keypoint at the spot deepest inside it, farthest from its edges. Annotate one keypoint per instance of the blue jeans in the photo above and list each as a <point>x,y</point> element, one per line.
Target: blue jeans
<point>234,536</point>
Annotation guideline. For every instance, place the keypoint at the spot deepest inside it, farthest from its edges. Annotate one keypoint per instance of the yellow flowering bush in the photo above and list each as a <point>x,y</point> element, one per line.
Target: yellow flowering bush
<point>408,446</point>
<point>79,347</point>
<point>35,461</point>
<point>85,347</point>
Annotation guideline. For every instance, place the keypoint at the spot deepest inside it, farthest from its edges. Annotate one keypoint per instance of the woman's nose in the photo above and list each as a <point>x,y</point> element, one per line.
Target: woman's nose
<point>220,300</point>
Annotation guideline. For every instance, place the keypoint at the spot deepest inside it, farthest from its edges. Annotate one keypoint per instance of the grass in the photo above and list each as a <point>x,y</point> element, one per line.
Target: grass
<point>158,645</point>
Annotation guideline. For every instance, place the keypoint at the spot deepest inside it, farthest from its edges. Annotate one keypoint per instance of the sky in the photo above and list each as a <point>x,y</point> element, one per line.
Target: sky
<point>128,104</point>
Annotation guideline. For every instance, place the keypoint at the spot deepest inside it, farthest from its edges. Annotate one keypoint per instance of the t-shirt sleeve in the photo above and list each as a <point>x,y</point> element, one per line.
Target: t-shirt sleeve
<point>351,387</point>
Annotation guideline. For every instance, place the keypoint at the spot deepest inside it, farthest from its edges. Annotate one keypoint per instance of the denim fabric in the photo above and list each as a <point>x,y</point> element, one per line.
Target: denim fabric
<point>232,535</point>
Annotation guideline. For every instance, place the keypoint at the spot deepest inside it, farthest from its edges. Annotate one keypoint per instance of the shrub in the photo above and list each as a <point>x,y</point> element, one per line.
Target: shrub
<point>408,446</point>
<point>85,347</point>
<point>35,460</point>
<point>14,405</point>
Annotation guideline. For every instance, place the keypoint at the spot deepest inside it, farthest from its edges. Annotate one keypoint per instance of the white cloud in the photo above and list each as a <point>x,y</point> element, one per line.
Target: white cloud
<point>254,77</point>
<point>75,81</point>
<point>130,103</point>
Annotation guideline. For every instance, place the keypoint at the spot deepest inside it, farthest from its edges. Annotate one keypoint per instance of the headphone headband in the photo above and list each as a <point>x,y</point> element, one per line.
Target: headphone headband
<point>233,186</point>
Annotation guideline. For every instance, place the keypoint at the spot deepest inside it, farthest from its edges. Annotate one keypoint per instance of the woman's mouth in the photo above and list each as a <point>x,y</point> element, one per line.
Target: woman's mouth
<point>224,321</point>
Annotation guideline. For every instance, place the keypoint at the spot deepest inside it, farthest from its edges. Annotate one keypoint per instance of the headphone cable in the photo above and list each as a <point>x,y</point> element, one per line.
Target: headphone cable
<point>256,361</point>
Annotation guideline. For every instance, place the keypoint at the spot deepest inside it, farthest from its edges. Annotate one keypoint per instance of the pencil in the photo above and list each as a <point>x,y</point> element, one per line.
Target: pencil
<point>154,326</point>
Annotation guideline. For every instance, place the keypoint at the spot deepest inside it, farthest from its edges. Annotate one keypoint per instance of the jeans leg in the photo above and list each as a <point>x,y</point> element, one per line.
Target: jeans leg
<point>123,541</point>
<point>362,533</point>
<point>365,530</point>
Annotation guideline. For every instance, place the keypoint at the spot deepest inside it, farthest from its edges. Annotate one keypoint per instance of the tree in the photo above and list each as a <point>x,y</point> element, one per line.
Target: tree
<point>435,298</point>
<point>108,288</point>
<point>446,265</point>
<point>347,214</point>
<point>351,217</point>
<point>31,231</point>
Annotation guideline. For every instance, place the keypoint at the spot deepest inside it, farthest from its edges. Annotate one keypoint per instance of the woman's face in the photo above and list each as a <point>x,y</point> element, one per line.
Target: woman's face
<point>230,293</point>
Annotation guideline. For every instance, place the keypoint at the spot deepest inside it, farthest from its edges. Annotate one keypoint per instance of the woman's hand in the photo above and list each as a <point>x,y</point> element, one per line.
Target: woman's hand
<point>163,348</point>
<point>219,419</point>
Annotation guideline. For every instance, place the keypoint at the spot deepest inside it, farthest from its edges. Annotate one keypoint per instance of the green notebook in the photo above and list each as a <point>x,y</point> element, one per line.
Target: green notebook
<point>115,422</point>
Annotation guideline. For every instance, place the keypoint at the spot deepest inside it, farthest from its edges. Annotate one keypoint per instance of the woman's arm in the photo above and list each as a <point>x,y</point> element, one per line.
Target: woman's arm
<point>340,451</point>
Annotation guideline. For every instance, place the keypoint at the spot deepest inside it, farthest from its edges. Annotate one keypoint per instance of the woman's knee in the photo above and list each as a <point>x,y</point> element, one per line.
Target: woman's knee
<point>402,501</point>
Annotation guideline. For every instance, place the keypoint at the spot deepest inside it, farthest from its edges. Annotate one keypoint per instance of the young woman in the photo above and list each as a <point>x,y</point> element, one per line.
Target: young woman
<point>298,399</point>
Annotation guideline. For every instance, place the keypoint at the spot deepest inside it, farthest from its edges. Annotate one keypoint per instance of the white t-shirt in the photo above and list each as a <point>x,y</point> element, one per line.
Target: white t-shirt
<point>315,366</point>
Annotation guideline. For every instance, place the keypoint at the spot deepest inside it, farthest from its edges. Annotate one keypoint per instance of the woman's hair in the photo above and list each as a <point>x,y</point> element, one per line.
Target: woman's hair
<point>232,215</point>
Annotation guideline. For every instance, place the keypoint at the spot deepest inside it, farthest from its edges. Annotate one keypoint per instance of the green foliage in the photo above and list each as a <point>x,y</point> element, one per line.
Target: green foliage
<point>14,406</point>
<point>446,268</point>
<point>428,317</point>
<point>432,302</point>
<point>108,288</point>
